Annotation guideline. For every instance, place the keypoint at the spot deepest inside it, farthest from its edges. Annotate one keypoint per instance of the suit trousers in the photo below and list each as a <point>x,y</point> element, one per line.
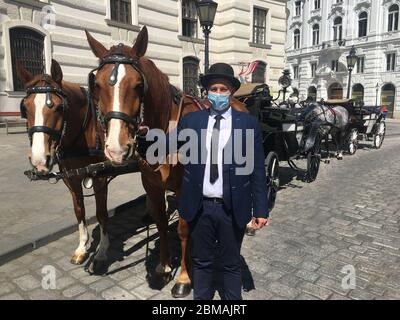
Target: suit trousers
<point>214,227</point>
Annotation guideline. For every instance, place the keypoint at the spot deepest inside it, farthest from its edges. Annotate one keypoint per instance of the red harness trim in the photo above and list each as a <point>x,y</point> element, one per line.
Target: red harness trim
<point>198,103</point>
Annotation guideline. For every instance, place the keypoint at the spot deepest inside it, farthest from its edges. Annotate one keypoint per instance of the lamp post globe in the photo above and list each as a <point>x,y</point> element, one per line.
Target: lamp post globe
<point>206,10</point>
<point>352,59</point>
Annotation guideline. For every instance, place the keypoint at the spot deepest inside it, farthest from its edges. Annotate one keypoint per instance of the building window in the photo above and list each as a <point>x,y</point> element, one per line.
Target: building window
<point>296,39</point>
<point>313,69</point>
<point>189,18</point>
<point>315,35</point>
<point>317,4</point>
<point>121,11</point>
<point>295,72</point>
<point>388,98</point>
<point>297,5</point>
<point>191,76</point>
<point>362,24</point>
<point>259,26</point>
<point>358,92</point>
<point>393,21</point>
<point>360,65</point>
<point>335,65</point>
<point>27,48</point>
<point>390,62</point>
<point>259,73</point>
<point>337,29</point>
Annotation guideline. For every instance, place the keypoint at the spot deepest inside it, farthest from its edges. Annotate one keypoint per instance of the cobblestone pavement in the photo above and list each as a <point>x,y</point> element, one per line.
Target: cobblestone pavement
<point>30,211</point>
<point>349,217</point>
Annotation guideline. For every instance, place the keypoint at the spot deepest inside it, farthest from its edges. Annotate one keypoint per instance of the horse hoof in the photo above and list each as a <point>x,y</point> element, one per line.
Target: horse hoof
<point>251,232</point>
<point>181,290</point>
<point>340,158</point>
<point>79,259</point>
<point>98,267</point>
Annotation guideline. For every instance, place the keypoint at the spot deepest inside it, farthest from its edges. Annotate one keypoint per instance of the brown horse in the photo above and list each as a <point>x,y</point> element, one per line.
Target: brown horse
<point>62,126</point>
<point>128,86</point>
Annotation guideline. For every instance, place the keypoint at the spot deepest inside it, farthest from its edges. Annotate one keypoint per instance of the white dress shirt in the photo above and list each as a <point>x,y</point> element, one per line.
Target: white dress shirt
<point>216,190</point>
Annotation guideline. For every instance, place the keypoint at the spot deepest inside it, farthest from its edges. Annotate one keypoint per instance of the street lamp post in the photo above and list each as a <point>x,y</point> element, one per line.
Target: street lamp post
<point>206,10</point>
<point>351,62</point>
<point>377,90</point>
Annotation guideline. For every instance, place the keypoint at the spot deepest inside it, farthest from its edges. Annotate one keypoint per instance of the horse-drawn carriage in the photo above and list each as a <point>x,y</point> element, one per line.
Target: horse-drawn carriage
<point>365,123</point>
<point>284,135</point>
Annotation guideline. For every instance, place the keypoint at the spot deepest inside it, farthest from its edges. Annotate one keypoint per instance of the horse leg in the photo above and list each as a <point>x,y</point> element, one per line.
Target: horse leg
<point>183,284</point>
<point>75,188</point>
<point>340,146</point>
<point>156,207</point>
<point>100,188</point>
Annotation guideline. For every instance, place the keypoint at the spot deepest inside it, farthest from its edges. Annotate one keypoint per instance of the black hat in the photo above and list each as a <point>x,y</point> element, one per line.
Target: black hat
<point>220,70</point>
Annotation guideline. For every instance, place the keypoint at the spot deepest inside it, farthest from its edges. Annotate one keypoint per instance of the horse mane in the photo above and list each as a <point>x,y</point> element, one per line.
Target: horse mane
<point>158,99</point>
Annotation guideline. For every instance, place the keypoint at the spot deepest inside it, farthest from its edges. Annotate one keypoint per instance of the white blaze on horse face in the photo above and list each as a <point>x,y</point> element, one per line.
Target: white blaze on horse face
<point>83,239</point>
<point>114,147</point>
<point>38,141</point>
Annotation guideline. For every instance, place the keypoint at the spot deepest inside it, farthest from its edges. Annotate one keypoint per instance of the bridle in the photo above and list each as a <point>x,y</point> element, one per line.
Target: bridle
<point>117,59</point>
<point>55,135</point>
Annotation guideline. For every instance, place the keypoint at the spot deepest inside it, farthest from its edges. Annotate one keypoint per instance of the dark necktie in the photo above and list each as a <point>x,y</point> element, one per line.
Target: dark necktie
<point>214,150</point>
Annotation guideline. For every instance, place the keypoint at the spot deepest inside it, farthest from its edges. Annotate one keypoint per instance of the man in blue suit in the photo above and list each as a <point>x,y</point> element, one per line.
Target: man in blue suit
<point>219,197</point>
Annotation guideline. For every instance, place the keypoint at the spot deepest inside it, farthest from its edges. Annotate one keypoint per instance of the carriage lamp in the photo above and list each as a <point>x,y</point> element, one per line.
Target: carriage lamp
<point>206,10</point>
<point>377,91</point>
<point>352,59</point>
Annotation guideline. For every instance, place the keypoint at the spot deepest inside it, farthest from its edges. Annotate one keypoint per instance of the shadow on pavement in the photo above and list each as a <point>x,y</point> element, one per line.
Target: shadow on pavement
<point>131,220</point>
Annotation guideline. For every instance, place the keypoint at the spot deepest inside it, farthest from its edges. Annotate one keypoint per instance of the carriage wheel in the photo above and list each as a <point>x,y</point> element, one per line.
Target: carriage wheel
<point>313,161</point>
<point>379,136</point>
<point>352,145</point>
<point>272,168</point>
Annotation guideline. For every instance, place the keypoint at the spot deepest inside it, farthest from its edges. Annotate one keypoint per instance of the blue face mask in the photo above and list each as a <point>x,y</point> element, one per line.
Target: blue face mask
<point>219,102</point>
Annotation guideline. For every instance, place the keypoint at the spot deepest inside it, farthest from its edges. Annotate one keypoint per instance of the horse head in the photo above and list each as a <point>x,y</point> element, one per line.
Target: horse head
<point>118,88</point>
<point>43,107</point>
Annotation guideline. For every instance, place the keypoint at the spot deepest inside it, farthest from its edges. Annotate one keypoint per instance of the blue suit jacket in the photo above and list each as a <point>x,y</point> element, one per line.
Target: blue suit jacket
<point>245,195</point>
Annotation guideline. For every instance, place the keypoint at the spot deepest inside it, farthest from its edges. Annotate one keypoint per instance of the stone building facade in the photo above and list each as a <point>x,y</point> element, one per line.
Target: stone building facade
<point>247,34</point>
<point>320,36</point>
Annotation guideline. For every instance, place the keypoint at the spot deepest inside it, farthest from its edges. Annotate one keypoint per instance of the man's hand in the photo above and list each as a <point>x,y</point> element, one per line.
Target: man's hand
<point>259,223</point>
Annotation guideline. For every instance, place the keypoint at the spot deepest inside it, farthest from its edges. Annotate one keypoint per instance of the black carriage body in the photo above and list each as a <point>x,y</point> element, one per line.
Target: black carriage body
<point>282,132</point>
<point>361,117</point>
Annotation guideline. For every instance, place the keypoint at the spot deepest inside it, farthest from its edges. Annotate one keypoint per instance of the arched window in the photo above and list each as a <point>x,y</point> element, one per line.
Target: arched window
<point>296,39</point>
<point>362,24</point>
<point>388,98</point>
<point>337,29</point>
<point>312,93</point>
<point>335,91</point>
<point>393,18</point>
<point>259,73</point>
<point>191,76</point>
<point>27,48</point>
<point>358,92</point>
<point>315,35</point>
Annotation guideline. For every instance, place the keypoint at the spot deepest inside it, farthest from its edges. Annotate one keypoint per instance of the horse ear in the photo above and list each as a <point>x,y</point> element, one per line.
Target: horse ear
<point>98,49</point>
<point>140,47</point>
<point>24,75</point>
<point>56,72</point>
